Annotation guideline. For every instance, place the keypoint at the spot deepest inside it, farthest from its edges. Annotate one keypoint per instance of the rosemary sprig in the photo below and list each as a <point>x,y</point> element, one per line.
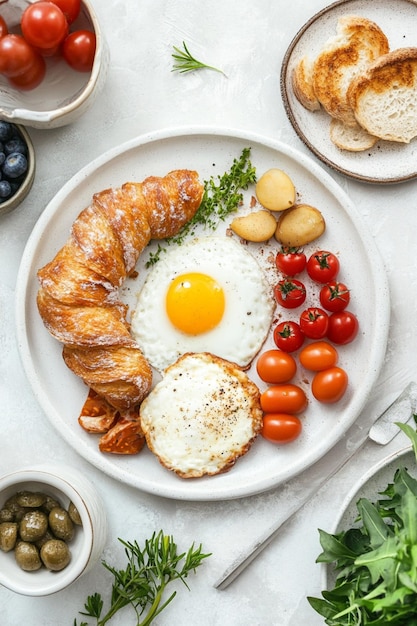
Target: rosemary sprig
<point>142,584</point>
<point>185,62</point>
<point>222,197</point>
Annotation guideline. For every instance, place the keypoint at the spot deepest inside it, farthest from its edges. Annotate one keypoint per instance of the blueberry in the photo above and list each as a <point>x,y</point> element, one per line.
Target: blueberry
<point>5,189</point>
<point>16,144</point>
<point>15,165</point>
<point>6,130</point>
<point>2,158</point>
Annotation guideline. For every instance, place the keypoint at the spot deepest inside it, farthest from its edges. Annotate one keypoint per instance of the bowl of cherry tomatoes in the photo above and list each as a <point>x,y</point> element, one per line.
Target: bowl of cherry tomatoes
<point>53,61</point>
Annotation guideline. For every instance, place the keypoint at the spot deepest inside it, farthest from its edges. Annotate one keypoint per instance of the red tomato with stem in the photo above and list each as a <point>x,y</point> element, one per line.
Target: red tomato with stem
<point>44,25</point>
<point>290,261</point>
<point>343,327</point>
<point>314,323</point>
<point>319,355</point>
<point>276,366</point>
<point>290,293</point>
<point>288,336</point>
<point>281,427</point>
<point>323,266</point>
<point>79,50</point>
<point>3,27</point>
<point>284,398</point>
<point>70,8</point>
<point>334,296</point>
<point>329,385</point>
<point>32,77</point>
<point>16,55</point>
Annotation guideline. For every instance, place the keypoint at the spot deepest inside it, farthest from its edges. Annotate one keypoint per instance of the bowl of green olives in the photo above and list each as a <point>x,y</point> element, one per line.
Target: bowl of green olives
<point>53,529</point>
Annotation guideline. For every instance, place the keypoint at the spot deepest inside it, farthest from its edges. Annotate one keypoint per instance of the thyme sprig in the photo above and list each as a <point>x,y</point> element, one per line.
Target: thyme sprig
<point>222,196</point>
<point>185,62</point>
<point>142,584</point>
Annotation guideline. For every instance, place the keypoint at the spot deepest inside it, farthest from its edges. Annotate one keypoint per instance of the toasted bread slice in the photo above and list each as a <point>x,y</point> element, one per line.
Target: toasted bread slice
<point>351,138</point>
<point>384,98</point>
<point>358,43</point>
<point>302,84</point>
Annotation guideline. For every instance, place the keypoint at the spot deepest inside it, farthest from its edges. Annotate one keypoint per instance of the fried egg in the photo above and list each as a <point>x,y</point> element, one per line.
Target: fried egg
<point>198,429</point>
<point>208,295</point>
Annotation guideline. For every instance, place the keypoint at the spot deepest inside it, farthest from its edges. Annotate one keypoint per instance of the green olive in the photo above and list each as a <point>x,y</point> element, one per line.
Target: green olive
<point>33,525</point>
<point>30,499</point>
<point>55,555</point>
<point>6,515</point>
<point>13,505</point>
<point>74,514</point>
<point>50,503</point>
<point>60,523</point>
<point>27,556</point>
<point>8,536</point>
<point>46,537</point>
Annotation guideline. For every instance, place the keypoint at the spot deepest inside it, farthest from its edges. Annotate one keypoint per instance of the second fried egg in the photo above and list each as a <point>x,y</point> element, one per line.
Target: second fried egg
<point>208,295</point>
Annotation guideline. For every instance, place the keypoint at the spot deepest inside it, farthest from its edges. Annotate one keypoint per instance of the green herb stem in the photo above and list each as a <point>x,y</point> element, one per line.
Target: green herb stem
<point>185,62</point>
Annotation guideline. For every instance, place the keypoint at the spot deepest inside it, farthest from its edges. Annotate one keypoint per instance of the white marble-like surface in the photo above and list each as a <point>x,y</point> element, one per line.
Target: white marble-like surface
<point>248,40</point>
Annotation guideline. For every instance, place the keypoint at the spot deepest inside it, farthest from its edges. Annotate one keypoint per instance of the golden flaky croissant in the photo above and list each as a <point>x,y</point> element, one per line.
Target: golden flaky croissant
<point>78,298</point>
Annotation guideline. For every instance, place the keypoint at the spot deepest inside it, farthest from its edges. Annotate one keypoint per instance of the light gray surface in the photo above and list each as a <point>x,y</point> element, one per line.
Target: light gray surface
<point>248,40</point>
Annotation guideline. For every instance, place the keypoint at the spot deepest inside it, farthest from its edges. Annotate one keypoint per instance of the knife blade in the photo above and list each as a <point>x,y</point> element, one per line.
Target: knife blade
<point>381,432</point>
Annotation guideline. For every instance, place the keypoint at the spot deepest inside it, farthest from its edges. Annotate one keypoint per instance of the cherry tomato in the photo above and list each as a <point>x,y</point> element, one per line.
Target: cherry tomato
<point>329,385</point>
<point>343,327</point>
<point>314,323</point>
<point>70,8</point>
<point>276,366</point>
<point>281,427</point>
<point>32,77</point>
<point>16,55</point>
<point>319,355</point>
<point>44,25</point>
<point>285,398</point>
<point>3,27</point>
<point>334,296</point>
<point>323,266</point>
<point>290,261</point>
<point>290,293</point>
<point>288,336</point>
<point>79,49</point>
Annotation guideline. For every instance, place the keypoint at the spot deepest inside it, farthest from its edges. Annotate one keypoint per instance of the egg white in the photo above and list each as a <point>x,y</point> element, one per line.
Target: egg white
<point>248,313</point>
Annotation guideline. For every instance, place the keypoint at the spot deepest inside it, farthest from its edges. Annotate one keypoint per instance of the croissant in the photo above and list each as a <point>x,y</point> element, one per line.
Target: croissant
<point>78,298</point>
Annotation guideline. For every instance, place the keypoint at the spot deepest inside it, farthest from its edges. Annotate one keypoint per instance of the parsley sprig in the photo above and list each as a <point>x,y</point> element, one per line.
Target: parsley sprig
<point>185,62</point>
<point>223,195</point>
<point>142,584</point>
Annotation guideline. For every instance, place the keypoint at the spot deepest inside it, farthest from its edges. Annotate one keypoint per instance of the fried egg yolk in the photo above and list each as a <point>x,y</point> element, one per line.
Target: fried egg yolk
<point>195,303</point>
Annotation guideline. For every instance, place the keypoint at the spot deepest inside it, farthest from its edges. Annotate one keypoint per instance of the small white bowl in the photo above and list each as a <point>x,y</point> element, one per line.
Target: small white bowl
<point>18,197</point>
<point>67,485</point>
<point>64,95</point>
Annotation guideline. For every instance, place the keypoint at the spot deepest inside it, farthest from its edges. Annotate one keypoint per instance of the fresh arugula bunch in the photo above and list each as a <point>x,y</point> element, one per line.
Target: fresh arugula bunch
<point>141,585</point>
<point>222,196</point>
<point>376,561</point>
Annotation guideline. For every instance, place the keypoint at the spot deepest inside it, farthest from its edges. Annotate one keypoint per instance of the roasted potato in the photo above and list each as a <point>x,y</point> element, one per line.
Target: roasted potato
<point>299,225</point>
<point>275,190</point>
<point>257,226</point>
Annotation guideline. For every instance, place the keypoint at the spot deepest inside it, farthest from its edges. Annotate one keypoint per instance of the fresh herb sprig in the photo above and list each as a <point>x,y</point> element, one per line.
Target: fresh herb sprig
<point>222,196</point>
<point>376,560</point>
<point>185,62</point>
<point>142,584</point>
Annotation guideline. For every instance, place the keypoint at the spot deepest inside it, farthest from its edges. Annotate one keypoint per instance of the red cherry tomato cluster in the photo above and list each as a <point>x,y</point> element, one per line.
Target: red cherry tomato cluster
<point>326,325</point>
<point>44,33</point>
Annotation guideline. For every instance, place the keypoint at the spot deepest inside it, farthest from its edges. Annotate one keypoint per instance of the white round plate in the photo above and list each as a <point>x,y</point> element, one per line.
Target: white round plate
<point>211,152</point>
<point>387,161</point>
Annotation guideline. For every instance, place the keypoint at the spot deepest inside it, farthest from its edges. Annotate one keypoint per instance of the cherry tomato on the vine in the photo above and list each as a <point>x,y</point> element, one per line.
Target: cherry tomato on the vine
<point>290,261</point>
<point>288,336</point>
<point>3,27</point>
<point>329,385</point>
<point>16,55</point>
<point>281,427</point>
<point>285,398</point>
<point>276,366</point>
<point>319,355</point>
<point>334,296</point>
<point>314,323</point>
<point>343,327</point>
<point>79,50</point>
<point>70,8</point>
<point>290,293</point>
<point>323,266</point>
<point>44,26</point>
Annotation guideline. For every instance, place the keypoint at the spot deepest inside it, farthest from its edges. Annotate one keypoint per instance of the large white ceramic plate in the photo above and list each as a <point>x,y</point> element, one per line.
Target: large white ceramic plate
<point>211,152</point>
<point>387,161</point>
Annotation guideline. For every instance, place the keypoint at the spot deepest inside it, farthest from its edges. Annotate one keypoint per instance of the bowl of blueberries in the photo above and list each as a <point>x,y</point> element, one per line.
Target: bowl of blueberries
<point>17,165</point>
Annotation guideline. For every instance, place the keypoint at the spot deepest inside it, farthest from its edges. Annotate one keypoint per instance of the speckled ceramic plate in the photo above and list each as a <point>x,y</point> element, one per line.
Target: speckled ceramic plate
<point>387,161</point>
<point>211,152</point>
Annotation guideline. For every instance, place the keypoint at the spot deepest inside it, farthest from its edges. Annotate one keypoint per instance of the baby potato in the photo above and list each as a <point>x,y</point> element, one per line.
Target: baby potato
<point>275,190</point>
<point>257,226</point>
<point>299,225</point>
